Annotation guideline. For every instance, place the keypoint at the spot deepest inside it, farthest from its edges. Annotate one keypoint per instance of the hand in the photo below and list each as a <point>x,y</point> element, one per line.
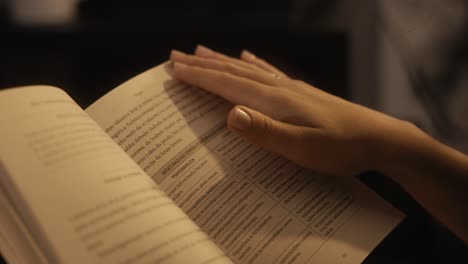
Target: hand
<point>331,135</point>
<point>306,125</point>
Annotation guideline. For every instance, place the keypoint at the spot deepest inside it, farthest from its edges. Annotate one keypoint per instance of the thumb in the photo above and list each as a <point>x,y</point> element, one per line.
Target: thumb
<point>273,135</point>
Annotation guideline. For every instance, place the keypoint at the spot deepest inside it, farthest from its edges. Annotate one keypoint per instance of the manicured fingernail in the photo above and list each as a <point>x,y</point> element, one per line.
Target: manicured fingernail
<point>248,55</point>
<point>175,54</point>
<point>241,120</point>
<point>203,51</point>
<point>179,66</point>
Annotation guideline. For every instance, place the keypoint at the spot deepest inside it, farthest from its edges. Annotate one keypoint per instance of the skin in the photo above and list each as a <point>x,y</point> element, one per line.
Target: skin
<point>323,132</point>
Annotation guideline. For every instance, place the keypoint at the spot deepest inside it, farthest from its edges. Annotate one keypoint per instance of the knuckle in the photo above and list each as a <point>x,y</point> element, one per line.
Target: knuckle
<point>264,131</point>
<point>203,62</point>
<point>267,124</point>
<point>282,98</point>
<point>192,60</point>
<point>230,67</point>
<point>224,76</point>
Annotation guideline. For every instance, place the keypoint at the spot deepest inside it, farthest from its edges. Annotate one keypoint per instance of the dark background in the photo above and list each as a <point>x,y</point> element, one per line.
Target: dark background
<point>114,40</point>
<point>111,41</point>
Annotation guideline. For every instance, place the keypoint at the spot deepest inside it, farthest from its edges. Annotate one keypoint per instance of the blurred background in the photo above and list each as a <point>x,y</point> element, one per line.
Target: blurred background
<point>407,58</point>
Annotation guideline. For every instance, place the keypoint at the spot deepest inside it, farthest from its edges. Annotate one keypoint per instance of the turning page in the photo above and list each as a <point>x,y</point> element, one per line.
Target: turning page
<point>82,199</point>
<point>257,206</point>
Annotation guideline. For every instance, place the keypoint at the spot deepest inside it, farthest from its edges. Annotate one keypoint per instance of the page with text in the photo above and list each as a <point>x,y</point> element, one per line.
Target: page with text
<point>257,206</point>
<point>81,197</point>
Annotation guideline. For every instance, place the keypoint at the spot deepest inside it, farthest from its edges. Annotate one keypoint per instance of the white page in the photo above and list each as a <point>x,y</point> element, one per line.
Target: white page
<point>81,197</point>
<point>258,207</point>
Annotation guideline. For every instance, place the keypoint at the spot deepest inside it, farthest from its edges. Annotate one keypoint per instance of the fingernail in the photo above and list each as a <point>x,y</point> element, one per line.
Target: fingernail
<point>179,66</point>
<point>248,55</point>
<point>175,54</point>
<point>203,51</point>
<point>241,120</point>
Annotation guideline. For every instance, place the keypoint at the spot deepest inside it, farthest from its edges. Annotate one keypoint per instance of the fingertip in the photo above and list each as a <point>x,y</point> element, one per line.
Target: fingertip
<point>239,119</point>
<point>176,55</point>
<point>247,56</point>
<point>203,51</point>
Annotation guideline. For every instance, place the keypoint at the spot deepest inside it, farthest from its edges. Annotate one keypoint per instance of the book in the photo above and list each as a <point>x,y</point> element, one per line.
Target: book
<point>149,173</point>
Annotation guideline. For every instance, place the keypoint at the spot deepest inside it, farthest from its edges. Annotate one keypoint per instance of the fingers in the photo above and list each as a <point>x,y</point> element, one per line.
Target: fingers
<point>234,69</point>
<point>251,58</point>
<point>237,84</point>
<point>205,52</point>
<point>233,88</point>
<point>248,60</point>
<point>273,135</point>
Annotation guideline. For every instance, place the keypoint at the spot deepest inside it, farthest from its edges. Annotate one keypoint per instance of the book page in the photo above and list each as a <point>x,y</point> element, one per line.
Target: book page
<point>257,206</point>
<point>16,243</point>
<point>82,199</point>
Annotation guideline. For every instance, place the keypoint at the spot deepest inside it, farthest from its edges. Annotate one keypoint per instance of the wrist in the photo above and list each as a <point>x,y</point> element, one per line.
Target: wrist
<point>409,155</point>
<point>397,148</point>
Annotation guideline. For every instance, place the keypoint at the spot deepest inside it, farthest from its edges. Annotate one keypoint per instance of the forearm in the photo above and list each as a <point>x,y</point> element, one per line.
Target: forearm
<point>434,174</point>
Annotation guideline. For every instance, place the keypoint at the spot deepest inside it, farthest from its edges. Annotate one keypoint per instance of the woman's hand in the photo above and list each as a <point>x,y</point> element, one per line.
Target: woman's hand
<point>306,125</point>
<point>331,135</point>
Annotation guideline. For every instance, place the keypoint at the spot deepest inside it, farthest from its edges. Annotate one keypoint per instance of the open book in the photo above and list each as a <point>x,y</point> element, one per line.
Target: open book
<point>149,173</point>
